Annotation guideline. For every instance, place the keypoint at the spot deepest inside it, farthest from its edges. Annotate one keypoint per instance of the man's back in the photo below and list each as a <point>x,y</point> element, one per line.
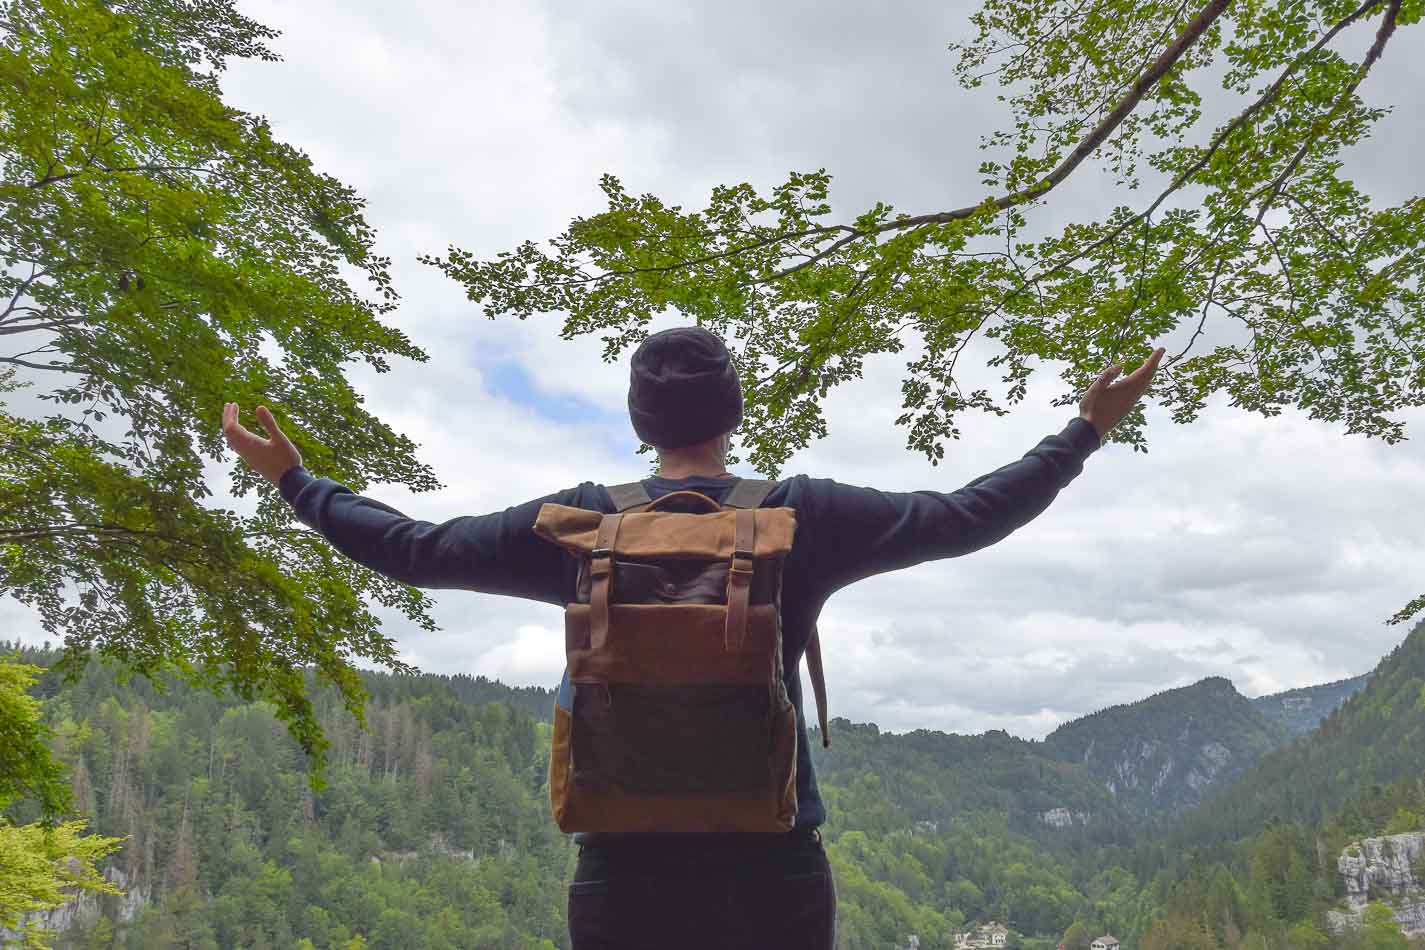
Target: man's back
<point>844,533</point>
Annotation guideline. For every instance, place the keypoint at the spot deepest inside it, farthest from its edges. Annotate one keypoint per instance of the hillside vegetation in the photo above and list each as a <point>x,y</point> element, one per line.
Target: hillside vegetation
<point>1162,754</point>
<point>433,828</point>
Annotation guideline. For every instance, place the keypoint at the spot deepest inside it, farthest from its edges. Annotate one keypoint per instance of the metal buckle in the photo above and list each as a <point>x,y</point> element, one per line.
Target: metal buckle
<point>600,552</point>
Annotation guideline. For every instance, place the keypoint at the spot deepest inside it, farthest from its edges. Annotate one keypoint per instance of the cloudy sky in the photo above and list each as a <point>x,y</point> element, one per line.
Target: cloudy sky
<point>1269,552</point>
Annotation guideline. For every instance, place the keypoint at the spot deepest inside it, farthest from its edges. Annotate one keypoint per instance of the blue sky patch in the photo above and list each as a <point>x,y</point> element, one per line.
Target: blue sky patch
<point>510,380</point>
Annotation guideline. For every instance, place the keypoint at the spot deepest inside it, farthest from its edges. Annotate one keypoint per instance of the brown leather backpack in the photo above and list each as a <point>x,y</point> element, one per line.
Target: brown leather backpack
<point>680,719</point>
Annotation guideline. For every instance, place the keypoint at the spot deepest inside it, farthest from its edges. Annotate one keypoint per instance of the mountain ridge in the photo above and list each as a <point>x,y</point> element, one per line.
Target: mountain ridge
<point>1161,754</point>
<point>1301,709</point>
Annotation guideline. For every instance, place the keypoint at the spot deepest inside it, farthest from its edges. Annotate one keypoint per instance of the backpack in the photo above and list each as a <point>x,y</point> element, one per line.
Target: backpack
<point>680,720</point>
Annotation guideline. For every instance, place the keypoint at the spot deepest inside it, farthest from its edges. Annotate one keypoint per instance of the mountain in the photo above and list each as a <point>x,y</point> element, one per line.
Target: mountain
<point>935,777</point>
<point>1162,754</point>
<point>1301,710</point>
<point>1374,738</point>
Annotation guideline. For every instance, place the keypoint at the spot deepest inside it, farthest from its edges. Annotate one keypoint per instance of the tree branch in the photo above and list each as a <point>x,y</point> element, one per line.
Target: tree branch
<point>17,327</point>
<point>1141,86</point>
<point>58,367</point>
<point>1383,35</point>
<point>35,274</point>
<point>50,178</point>
<point>1217,140</point>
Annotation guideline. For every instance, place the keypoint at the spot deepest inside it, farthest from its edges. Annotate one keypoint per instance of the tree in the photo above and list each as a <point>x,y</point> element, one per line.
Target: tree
<point>163,253</point>
<point>1403,822</point>
<point>1286,286</point>
<point>42,863</point>
<point>1305,935</point>
<point>1179,933</point>
<point>1380,930</point>
<point>27,768</point>
<point>805,296</point>
<point>1076,937</point>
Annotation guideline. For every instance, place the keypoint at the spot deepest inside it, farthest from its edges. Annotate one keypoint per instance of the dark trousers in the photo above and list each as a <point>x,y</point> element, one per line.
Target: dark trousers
<point>730,895</point>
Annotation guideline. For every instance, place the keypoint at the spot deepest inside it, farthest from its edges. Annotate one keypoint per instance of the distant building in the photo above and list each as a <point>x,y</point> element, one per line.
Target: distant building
<point>1106,942</point>
<point>985,937</point>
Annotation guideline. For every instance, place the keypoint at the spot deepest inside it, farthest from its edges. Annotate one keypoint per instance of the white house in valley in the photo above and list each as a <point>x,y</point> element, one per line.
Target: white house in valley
<point>985,937</point>
<point>1106,942</point>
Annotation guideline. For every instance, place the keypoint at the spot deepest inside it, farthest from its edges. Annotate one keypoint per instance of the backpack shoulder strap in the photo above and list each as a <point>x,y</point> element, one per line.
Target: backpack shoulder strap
<point>818,682</point>
<point>748,493</point>
<point>629,495</point>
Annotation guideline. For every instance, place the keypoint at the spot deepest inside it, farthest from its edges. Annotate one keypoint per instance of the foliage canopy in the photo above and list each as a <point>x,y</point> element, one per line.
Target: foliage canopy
<point>42,863</point>
<point>1274,275</point>
<point>164,253</point>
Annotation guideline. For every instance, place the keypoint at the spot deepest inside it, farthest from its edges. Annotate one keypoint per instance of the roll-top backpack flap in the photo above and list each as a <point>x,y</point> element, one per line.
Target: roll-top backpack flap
<point>648,535</point>
<point>574,529</point>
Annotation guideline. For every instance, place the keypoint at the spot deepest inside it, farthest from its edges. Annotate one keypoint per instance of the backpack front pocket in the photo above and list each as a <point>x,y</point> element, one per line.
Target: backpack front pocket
<point>657,740</point>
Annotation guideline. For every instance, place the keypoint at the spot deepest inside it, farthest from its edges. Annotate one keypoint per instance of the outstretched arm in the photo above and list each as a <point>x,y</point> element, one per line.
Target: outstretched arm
<point>857,532</point>
<point>495,553</point>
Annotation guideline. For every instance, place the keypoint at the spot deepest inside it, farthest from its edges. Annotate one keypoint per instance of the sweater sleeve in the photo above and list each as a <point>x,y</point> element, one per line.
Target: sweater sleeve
<point>853,533</point>
<point>497,553</point>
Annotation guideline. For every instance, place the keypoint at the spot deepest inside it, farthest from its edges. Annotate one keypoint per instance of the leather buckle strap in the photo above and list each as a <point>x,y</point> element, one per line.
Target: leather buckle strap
<point>601,567</point>
<point>739,578</point>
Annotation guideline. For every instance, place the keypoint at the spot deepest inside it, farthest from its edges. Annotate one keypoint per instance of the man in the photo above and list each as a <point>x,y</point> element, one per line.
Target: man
<point>724,890</point>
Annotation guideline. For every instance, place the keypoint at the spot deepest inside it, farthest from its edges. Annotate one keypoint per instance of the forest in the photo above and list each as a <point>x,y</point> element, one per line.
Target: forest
<point>431,827</point>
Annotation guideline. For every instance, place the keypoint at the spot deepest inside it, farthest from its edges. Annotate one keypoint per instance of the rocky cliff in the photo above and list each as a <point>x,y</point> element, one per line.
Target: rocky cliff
<point>1389,869</point>
<point>86,908</point>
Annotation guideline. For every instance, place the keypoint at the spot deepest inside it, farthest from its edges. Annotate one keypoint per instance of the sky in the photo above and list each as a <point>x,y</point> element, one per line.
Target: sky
<point>1267,551</point>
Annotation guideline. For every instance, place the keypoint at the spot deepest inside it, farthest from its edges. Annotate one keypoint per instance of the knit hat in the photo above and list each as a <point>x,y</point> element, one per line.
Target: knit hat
<point>683,389</point>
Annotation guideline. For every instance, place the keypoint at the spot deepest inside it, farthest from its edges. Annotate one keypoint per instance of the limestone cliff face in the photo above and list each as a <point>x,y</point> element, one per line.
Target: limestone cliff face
<point>1387,869</point>
<point>86,908</point>
<point>1063,818</point>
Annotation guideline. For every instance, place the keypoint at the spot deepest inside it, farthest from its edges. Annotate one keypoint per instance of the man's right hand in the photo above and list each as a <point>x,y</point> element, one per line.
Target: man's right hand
<point>271,457</point>
<point>1105,405</point>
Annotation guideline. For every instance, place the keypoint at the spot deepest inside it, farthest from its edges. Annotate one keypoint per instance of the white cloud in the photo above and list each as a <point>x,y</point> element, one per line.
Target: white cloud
<point>535,655</point>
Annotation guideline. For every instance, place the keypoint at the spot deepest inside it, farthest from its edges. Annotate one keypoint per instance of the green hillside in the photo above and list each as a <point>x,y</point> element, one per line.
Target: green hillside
<point>1163,753</point>
<point>1376,737</point>
<point>928,776</point>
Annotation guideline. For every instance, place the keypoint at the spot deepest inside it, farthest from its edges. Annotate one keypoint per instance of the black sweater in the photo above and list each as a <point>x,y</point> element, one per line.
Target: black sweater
<point>844,534</point>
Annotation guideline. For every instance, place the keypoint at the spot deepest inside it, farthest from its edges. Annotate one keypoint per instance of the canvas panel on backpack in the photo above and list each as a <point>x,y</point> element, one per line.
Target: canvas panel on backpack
<point>680,719</point>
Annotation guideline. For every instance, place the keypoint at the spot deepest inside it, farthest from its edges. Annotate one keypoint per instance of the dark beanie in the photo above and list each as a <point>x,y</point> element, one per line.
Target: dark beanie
<point>683,389</point>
